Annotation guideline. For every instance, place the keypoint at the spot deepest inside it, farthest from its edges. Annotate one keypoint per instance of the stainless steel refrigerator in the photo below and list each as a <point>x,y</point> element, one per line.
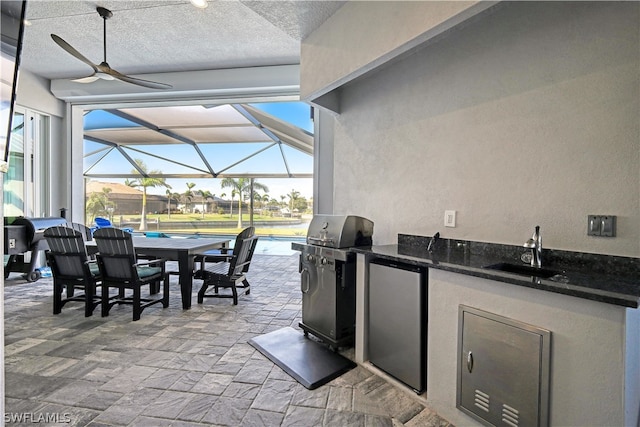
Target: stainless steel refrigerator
<point>398,321</point>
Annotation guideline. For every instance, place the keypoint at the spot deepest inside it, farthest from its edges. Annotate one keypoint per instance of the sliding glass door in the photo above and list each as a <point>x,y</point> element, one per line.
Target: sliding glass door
<point>26,181</point>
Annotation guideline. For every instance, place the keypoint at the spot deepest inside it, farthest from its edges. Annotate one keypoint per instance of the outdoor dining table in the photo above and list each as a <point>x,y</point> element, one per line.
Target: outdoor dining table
<point>182,250</point>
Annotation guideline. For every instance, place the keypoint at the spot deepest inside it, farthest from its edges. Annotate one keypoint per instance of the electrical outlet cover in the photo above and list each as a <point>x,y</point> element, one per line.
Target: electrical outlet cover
<point>449,218</point>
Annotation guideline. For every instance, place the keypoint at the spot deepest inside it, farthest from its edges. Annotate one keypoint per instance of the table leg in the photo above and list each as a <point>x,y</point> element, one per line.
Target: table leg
<point>185,268</point>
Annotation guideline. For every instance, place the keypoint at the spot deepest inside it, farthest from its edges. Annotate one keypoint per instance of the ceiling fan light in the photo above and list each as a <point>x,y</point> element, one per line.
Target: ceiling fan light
<point>89,79</point>
<point>105,76</point>
<point>201,4</point>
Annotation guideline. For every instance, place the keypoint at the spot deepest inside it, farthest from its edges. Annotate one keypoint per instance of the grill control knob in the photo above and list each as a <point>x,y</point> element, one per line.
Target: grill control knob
<point>323,261</point>
<point>310,258</point>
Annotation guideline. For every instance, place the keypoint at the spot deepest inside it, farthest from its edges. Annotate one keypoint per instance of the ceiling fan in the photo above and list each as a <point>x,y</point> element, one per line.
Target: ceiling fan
<point>103,70</point>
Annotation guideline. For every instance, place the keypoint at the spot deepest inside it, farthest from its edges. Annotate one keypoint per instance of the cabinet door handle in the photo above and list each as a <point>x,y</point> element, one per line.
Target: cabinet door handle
<point>470,362</point>
<point>305,281</point>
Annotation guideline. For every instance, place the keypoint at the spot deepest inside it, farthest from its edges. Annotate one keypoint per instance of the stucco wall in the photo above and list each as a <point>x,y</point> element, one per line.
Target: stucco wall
<point>528,116</point>
<point>587,378</point>
<point>348,44</point>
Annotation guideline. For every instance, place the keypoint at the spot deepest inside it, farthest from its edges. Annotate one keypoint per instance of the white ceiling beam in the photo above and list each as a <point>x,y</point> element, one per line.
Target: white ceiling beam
<point>191,86</point>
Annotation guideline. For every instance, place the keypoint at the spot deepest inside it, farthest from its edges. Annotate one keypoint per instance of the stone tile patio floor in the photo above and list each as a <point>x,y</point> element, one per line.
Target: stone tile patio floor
<point>181,368</point>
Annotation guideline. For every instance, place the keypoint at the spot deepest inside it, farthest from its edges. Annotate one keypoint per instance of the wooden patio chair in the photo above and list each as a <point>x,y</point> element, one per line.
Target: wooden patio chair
<point>83,229</point>
<point>224,254</point>
<point>229,274</point>
<point>72,268</point>
<point>120,269</point>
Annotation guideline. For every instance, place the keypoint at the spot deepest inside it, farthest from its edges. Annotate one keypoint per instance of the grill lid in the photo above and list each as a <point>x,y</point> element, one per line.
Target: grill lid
<point>340,231</point>
<point>36,226</point>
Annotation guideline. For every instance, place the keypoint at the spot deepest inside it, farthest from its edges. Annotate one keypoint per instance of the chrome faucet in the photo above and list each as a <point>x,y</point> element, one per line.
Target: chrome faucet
<point>432,242</point>
<point>535,244</point>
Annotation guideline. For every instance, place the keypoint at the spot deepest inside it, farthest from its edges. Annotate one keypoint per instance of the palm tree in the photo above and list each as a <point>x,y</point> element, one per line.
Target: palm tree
<point>188,195</point>
<point>205,195</point>
<point>143,182</point>
<point>236,187</point>
<point>222,196</point>
<point>99,203</point>
<point>293,196</point>
<point>233,196</point>
<point>171,196</point>
<point>242,185</point>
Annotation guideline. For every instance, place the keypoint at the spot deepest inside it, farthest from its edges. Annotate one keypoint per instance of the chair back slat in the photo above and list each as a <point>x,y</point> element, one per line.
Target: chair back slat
<point>247,232</point>
<point>242,254</point>
<point>232,276</point>
<point>114,241</point>
<point>117,266</point>
<point>64,239</point>
<point>83,229</point>
<point>66,250</point>
<point>67,264</point>
<point>71,268</point>
<point>116,253</point>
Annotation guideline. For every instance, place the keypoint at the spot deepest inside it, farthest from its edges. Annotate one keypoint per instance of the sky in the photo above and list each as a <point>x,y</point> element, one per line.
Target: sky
<point>219,155</point>
<point>296,113</point>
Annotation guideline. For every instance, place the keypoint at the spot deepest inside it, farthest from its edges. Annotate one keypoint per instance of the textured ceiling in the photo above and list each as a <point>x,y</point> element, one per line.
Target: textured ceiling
<point>168,36</point>
<point>147,37</point>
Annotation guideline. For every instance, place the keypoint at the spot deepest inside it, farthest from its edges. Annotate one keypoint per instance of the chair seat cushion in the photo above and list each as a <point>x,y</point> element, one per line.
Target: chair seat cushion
<point>145,271</point>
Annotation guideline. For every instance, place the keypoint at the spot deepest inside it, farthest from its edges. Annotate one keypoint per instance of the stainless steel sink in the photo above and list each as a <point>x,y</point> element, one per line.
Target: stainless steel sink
<point>525,270</point>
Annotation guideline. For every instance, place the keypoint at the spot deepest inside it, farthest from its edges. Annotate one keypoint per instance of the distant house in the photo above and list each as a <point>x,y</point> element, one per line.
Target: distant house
<point>127,200</point>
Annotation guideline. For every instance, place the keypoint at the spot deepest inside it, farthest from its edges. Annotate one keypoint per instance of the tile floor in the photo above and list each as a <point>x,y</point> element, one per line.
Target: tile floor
<point>180,368</point>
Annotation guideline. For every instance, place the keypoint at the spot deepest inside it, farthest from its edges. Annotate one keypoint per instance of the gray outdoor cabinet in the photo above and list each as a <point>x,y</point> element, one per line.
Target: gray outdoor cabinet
<point>503,369</point>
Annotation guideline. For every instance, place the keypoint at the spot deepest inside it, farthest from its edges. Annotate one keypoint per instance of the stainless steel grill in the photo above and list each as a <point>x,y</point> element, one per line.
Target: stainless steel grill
<point>339,231</point>
<point>327,276</point>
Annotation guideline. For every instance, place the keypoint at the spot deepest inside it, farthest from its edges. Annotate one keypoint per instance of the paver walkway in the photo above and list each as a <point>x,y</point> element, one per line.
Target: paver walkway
<point>180,368</point>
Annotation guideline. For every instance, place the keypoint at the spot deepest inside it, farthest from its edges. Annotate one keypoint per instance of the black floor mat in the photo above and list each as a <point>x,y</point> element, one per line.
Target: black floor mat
<point>309,362</point>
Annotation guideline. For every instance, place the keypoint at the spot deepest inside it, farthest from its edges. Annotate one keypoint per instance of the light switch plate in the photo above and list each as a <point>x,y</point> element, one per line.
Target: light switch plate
<point>449,218</point>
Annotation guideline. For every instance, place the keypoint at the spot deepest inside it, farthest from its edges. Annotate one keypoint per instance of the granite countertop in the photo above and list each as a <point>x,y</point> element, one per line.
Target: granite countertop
<point>608,279</point>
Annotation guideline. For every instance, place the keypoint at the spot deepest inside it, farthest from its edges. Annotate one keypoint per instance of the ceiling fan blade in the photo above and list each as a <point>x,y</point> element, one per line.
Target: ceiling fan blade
<point>66,46</point>
<point>136,81</point>
<point>89,79</point>
<point>103,70</point>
